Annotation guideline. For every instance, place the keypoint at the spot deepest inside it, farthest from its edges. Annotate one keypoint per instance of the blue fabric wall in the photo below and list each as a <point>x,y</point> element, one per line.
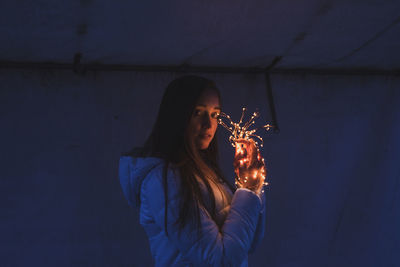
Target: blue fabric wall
<point>334,190</point>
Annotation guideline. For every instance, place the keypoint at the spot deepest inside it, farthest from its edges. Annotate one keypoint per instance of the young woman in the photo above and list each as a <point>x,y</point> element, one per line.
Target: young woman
<point>191,214</point>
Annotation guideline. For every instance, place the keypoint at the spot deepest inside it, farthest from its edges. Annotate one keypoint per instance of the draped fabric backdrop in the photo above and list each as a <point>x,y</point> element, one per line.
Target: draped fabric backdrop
<point>334,191</point>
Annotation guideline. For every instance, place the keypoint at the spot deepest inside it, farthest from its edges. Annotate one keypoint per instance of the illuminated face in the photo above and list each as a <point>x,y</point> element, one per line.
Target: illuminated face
<point>203,123</point>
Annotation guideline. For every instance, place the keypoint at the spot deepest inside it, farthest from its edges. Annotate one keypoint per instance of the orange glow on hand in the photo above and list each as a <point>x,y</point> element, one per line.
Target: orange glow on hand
<point>248,161</point>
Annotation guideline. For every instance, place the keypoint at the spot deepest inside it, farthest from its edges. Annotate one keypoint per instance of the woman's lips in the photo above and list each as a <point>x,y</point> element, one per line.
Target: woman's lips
<point>205,136</point>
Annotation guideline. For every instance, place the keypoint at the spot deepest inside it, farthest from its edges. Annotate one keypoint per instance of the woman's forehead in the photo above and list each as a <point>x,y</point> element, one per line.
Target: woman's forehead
<point>209,98</point>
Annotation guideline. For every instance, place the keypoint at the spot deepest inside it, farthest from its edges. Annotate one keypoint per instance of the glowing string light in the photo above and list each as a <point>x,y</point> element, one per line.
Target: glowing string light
<point>239,133</point>
<point>242,132</point>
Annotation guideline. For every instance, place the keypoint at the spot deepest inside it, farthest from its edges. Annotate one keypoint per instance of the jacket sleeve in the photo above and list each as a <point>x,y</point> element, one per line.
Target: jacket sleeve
<point>215,247</point>
<point>259,234</point>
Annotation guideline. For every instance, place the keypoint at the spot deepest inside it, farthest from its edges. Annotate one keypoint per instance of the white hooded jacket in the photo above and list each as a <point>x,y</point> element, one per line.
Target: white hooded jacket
<point>224,243</point>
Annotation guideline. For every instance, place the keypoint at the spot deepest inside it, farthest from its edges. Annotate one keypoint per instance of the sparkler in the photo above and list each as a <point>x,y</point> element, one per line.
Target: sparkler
<point>249,165</point>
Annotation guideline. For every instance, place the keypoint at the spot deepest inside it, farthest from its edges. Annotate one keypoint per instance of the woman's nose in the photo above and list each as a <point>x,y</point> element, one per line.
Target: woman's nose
<point>206,122</point>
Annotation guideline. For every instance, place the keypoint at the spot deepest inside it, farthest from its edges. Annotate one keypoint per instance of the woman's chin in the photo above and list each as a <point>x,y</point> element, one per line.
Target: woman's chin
<point>202,145</point>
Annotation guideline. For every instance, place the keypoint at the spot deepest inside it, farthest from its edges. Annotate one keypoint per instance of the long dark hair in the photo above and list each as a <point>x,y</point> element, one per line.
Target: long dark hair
<point>168,141</point>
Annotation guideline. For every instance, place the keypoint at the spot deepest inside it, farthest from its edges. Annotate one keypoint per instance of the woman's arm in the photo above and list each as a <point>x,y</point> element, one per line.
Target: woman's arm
<point>228,246</point>
<point>259,234</point>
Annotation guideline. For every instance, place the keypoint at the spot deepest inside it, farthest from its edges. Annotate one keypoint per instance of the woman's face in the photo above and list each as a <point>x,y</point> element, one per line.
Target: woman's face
<point>204,120</point>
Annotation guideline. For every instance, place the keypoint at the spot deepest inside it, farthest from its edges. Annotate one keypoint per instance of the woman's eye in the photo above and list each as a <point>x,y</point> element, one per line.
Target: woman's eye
<point>200,112</point>
<point>197,112</point>
<point>215,115</point>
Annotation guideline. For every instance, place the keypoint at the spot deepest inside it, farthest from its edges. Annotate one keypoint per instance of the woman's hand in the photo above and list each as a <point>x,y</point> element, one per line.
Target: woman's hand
<point>249,166</point>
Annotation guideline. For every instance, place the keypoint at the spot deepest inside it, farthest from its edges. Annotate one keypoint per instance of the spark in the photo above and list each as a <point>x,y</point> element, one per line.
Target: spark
<point>239,131</point>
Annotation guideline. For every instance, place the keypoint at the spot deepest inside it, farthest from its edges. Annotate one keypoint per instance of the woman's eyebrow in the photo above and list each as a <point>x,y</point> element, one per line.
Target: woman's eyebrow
<point>202,105</point>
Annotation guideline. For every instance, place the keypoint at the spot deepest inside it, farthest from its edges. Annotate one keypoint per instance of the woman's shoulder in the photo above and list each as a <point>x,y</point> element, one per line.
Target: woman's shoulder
<point>159,174</point>
<point>135,173</point>
<point>139,167</point>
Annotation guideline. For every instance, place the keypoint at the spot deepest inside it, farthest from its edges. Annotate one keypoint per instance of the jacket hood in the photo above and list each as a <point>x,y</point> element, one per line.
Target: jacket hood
<point>132,171</point>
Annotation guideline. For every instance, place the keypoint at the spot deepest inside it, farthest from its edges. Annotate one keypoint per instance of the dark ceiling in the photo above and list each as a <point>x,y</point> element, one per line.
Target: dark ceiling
<point>298,34</point>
